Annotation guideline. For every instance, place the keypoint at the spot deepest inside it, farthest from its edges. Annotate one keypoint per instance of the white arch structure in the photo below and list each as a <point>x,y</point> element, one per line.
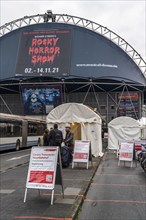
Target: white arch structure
<point>74,20</point>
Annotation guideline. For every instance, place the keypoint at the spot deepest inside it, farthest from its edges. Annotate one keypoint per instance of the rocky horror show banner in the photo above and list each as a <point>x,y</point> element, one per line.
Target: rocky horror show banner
<point>44,53</point>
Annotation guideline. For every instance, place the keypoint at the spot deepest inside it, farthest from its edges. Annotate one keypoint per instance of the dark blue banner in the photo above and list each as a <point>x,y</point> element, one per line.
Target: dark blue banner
<point>37,99</point>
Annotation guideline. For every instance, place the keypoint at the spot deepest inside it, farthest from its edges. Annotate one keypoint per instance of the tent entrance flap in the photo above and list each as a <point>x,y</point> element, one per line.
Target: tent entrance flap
<point>76,130</point>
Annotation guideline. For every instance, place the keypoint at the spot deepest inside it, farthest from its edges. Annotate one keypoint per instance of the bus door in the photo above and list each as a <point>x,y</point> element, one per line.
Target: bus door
<point>24,133</point>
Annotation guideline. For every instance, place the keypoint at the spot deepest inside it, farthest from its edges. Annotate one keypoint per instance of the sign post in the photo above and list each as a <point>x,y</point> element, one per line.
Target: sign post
<point>126,151</point>
<point>45,170</point>
<point>82,153</point>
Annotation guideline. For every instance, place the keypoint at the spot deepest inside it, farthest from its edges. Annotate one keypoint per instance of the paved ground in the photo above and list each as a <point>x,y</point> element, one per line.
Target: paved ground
<point>13,180</point>
<point>116,193</point>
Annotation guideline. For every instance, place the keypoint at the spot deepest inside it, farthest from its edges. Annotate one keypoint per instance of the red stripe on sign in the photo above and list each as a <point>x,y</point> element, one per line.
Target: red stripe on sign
<point>115,201</point>
<point>41,217</point>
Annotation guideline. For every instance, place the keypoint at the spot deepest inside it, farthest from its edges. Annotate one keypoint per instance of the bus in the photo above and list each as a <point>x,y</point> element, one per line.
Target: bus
<point>18,132</point>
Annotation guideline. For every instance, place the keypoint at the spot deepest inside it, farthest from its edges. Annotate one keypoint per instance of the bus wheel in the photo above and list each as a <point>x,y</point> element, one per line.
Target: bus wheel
<point>18,145</point>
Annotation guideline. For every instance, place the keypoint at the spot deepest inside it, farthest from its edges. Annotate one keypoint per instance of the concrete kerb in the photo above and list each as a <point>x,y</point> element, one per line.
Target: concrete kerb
<point>73,212</point>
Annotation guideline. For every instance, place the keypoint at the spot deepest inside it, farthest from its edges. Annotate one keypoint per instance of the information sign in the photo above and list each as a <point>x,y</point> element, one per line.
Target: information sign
<point>82,152</point>
<point>126,151</point>
<point>43,169</point>
<point>128,104</point>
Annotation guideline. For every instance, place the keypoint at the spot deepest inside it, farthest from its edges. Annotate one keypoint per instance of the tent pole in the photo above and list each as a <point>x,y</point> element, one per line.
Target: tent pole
<point>96,98</point>
<point>107,116</point>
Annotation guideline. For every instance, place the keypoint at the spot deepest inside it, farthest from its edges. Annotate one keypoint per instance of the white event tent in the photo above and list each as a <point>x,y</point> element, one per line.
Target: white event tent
<point>79,116</point>
<point>122,128</point>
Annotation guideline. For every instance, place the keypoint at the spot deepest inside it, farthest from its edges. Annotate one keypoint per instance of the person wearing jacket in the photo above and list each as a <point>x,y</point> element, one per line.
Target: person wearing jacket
<point>55,137</point>
<point>45,137</point>
<point>69,140</point>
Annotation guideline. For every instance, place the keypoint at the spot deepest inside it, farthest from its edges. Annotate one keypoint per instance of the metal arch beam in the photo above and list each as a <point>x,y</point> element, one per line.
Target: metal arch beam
<point>119,84</point>
<point>69,19</point>
<point>6,104</point>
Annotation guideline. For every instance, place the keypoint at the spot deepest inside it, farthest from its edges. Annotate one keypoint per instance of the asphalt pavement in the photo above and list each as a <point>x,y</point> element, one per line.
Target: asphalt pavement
<point>14,168</point>
<point>116,192</point>
<point>105,191</point>
<point>13,159</point>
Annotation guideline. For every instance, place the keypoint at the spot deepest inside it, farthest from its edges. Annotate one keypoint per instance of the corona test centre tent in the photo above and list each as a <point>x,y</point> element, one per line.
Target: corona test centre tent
<point>84,122</point>
<point>122,128</point>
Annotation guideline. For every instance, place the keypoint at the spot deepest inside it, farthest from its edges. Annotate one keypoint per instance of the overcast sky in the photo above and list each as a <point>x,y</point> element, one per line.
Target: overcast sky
<point>126,18</point>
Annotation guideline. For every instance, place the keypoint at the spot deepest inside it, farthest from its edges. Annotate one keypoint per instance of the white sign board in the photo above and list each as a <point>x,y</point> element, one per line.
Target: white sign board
<point>126,151</point>
<point>42,168</point>
<point>82,152</point>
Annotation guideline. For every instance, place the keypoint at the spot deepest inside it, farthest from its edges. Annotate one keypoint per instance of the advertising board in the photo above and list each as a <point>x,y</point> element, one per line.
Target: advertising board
<point>126,151</point>
<point>44,53</point>
<point>128,104</point>
<point>82,152</point>
<point>43,169</point>
<point>36,98</point>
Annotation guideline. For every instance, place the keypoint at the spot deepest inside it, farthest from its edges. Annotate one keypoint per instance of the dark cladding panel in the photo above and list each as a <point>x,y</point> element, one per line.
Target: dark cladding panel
<point>96,56</point>
<point>8,54</point>
<point>44,53</point>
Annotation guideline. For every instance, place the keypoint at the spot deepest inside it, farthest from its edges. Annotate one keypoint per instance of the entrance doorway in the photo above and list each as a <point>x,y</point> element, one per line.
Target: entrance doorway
<point>76,130</point>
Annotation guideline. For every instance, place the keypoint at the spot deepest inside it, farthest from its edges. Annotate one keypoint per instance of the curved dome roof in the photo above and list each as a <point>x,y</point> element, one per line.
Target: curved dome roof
<point>84,54</point>
<point>123,121</point>
<point>73,112</point>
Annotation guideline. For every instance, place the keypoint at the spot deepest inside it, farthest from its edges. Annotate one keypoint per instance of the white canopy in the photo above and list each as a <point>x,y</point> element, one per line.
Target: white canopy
<point>89,121</point>
<point>122,128</point>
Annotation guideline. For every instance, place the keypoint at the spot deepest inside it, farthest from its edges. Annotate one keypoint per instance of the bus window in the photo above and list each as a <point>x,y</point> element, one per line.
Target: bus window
<point>10,130</point>
<point>17,130</point>
<point>41,128</point>
<point>36,129</point>
<point>3,130</point>
<point>12,127</point>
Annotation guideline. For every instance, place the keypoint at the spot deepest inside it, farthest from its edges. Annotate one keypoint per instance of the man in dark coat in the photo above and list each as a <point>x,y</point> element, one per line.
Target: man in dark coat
<point>55,137</point>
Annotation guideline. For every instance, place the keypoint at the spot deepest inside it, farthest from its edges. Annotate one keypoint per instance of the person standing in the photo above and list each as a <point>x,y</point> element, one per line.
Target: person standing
<point>69,138</point>
<point>45,137</point>
<point>55,137</point>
